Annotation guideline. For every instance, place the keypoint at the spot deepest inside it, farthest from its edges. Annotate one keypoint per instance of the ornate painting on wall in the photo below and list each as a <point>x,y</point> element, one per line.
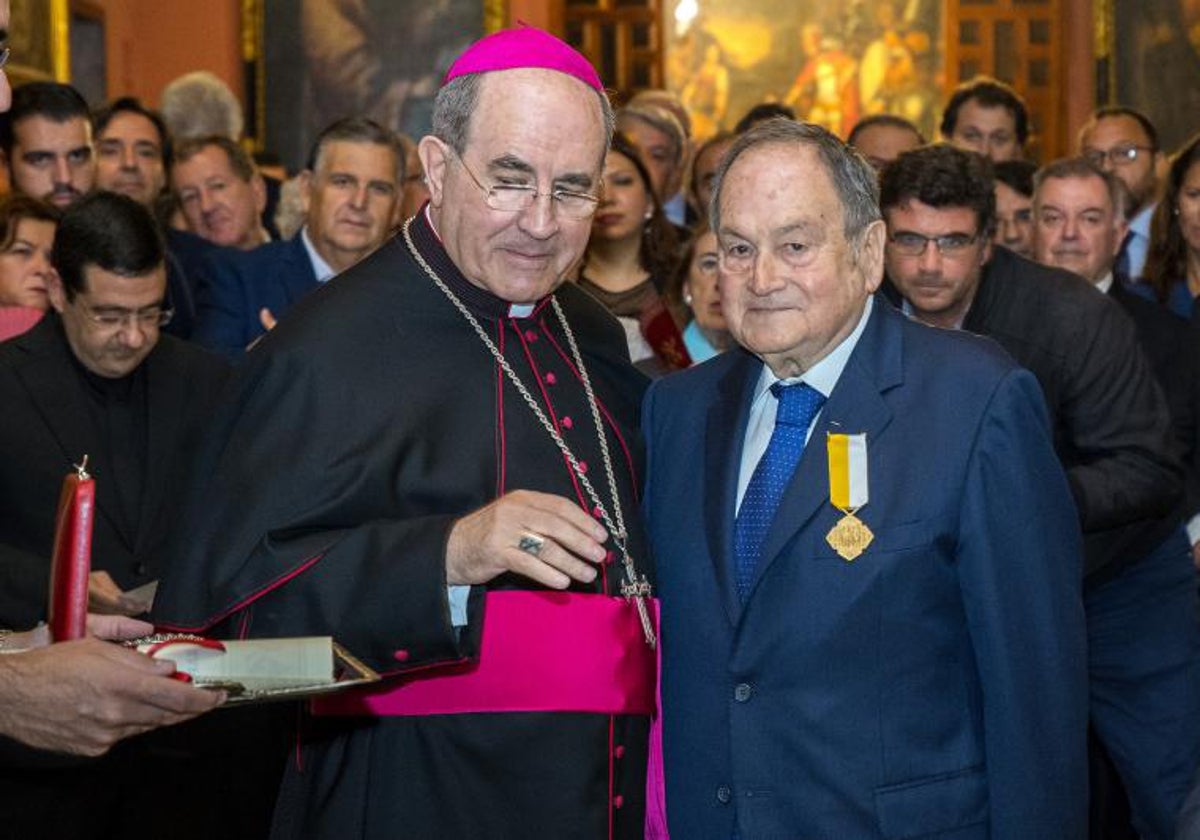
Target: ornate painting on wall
<point>1157,68</point>
<point>832,63</point>
<point>311,62</point>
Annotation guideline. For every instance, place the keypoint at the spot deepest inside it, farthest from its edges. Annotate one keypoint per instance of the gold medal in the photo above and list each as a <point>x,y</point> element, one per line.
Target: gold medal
<point>850,537</point>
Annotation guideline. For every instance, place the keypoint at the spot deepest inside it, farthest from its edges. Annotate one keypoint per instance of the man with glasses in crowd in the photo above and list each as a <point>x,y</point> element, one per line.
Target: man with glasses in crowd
<point>81,697</point>
<point>434,459</point>
<point>1111,422</point>
<point>1124,142</point>
<point>96,378</point>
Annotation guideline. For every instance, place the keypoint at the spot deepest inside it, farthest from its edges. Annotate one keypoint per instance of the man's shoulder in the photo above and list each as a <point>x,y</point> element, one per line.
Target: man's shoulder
<point>34,343</point>
<point>266,256</point>
<point>374,298</point>
<point>1022,299</point>
<point>704,382</point>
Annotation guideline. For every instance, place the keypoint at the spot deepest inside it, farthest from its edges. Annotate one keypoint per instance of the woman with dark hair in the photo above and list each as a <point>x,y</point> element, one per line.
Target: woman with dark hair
<point>26,235</point>
<point>630,257</point>
<point>1172,270</point>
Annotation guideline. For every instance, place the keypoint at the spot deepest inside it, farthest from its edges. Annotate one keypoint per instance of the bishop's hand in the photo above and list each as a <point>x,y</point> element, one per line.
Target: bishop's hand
<point>543,537</point>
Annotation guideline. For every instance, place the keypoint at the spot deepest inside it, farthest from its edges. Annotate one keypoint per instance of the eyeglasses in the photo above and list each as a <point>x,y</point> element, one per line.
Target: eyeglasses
<point>1122,155</point>
<point>516,198</point>
<point>914,244</point>
<point>114,319</point>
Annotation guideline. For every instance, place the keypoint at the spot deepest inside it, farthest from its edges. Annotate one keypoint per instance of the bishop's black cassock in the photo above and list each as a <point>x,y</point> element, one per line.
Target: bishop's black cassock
<point>355,435</point>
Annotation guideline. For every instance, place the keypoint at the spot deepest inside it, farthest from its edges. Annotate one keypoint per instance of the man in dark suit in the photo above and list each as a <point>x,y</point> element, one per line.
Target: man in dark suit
<point>1152,675</point>
<point>879,635</point>
<point>351,189</point>
<point>1111,430</point>
<point>97,378</point>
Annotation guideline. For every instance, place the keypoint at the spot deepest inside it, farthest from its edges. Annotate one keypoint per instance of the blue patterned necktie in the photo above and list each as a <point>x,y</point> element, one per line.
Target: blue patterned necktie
<point>798,405</point>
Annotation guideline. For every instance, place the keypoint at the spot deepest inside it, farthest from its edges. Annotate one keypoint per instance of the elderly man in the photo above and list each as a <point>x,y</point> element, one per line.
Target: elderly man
<point>46,143</point>
<point>857,641</point>
<point>350,191</point>
<point>1112,435</point>
<point>449,413</point>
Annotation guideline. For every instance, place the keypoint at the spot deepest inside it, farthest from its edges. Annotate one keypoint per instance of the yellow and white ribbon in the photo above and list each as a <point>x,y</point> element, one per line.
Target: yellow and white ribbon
<point>849,488</point>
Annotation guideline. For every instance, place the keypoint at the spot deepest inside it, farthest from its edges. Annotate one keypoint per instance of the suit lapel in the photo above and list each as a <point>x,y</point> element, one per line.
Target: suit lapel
<point>855,406</point>
<point>725,435</point>
<point>297,277</point>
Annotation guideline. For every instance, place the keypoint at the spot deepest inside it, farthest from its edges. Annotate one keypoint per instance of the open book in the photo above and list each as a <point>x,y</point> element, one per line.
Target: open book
<point>257,670</point>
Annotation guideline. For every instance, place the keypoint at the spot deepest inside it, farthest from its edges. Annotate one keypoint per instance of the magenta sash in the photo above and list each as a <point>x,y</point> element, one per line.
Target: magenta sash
<point>541,652</point>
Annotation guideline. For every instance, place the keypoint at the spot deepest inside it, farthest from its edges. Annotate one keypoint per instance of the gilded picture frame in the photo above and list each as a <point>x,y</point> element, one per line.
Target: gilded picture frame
<point>38,36</point>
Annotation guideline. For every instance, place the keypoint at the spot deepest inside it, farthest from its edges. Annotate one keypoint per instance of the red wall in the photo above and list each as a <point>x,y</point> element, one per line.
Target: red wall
<point>150,42</point>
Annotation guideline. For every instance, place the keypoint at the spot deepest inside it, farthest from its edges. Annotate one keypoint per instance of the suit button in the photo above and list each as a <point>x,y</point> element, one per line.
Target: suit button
<point>742,692</point>
<point>724,794</point>
<point>140,569</point>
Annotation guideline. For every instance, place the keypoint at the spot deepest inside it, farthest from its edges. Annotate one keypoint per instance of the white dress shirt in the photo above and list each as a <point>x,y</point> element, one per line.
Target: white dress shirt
<point>823,376</point>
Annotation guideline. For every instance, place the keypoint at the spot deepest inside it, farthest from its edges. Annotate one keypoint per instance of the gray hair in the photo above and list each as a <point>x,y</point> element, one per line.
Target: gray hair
<point>357,130</point>
<point>457,100</point>
<point>662,121</point>
<point>200,104</point>
<point>1118,193</point>
<point>853,178</point>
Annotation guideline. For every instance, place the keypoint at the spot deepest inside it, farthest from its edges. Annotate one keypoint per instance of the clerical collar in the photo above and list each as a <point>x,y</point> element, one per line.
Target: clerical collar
<point>482,302</point>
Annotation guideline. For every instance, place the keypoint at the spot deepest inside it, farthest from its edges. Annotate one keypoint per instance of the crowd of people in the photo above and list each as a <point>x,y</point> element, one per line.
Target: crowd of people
<point>518,409</point>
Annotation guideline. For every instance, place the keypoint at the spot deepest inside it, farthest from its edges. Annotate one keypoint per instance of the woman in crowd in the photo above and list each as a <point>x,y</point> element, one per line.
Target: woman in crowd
<point>706,334</point>
<point>26,235</point>
<point>1173,265</point>
<point>630,257</point>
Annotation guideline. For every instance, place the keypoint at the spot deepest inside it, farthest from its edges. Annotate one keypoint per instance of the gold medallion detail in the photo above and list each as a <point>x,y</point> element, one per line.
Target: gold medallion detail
<point>850,537</point>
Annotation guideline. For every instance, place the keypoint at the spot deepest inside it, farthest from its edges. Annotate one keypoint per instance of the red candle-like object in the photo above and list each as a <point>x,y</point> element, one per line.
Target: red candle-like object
<point>72,560</point>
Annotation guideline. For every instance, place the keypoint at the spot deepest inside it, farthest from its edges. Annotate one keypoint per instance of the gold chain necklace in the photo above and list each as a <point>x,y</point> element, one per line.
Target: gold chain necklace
<point>635,588</point>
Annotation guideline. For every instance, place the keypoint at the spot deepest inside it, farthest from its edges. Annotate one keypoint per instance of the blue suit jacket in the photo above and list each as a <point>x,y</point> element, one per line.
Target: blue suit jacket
<point>235,285</point>
<point>936,685</point>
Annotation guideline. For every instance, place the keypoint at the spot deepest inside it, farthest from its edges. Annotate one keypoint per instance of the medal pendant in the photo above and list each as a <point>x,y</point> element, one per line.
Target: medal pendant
<point>850,537</point>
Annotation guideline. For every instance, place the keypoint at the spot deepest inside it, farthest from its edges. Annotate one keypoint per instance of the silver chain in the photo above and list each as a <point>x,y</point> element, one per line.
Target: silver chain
<point>635,588</point>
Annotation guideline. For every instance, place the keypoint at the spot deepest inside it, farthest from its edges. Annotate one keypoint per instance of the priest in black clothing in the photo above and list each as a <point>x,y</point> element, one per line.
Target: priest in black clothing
<point>96,377</point>
<point>434,460</point>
